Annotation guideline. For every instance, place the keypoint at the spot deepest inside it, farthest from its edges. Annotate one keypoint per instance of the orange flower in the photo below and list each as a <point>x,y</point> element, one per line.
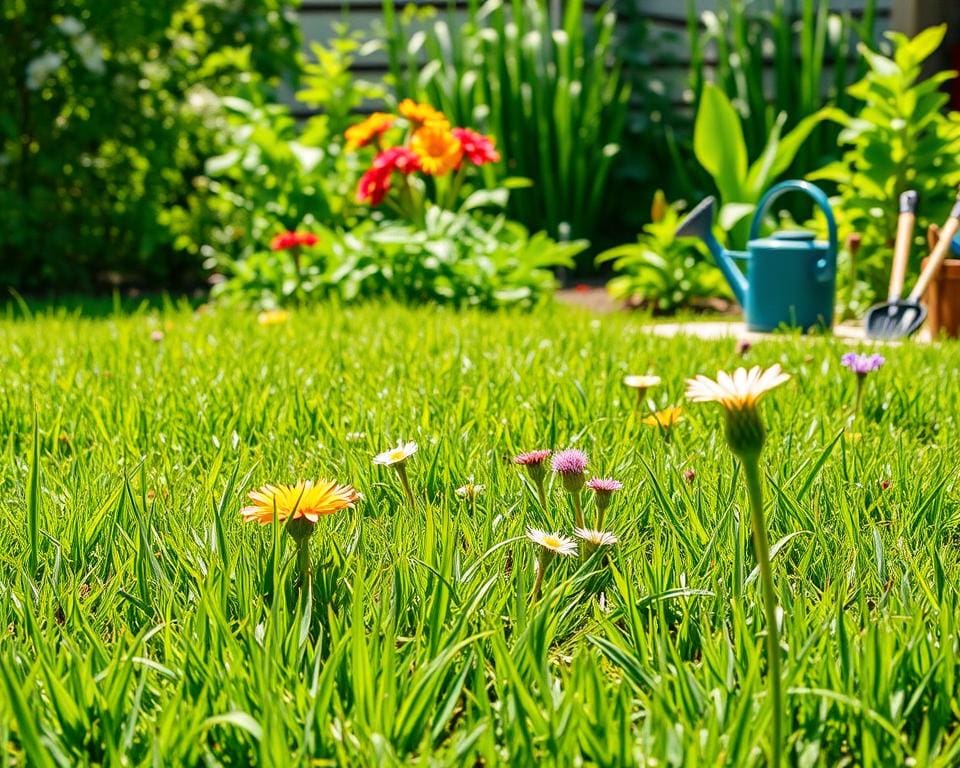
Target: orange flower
<point>307,500</point>
<point>419,113</point>
<point>364,132</point>
<point>438,149</point>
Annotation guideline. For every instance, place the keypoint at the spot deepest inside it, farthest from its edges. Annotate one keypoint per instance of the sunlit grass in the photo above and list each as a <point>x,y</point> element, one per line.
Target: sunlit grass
<point>145,623</point>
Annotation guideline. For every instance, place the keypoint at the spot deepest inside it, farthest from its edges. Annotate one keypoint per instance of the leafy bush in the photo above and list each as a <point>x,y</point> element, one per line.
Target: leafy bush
<point>551,94</point>
<point>104,123</point>
<point>801,55</point>
<point>661,270</point>
<point>454,257</point>
<point>899,139</point>
<point>720,147</point>
<point>270,173</point>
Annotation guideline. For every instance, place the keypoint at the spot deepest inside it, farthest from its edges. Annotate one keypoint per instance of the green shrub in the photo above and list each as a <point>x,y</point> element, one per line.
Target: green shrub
<point>104,113</point>
<point>721,149</point>
<point>899,139</point>
<point>663,271</point>
<point>456,257</point>
<point>808,51</point>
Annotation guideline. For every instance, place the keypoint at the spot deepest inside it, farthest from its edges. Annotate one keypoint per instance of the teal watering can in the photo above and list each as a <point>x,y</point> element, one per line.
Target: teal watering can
<point>790,277</point>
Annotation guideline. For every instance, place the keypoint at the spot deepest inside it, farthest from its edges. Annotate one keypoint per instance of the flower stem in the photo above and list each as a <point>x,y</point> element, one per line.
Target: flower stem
<point>304,566</point>
<point>405,482</point>
<point>538,581</point>
<point>577,509</point>
<point>641,394</point>
<point>542,494</point>
<point>761,546</point>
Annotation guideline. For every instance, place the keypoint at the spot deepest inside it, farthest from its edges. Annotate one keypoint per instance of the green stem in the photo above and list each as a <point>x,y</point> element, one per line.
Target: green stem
<point>542,494</point>
<point>641,394</point>
<point>295,254</point>
<point>761,545</point>
<point>577,509</point>
<point>304,567</point>
<point>601,511</point>
<point>405,482</point>
<point>538,581</point>
<point>455,187</point>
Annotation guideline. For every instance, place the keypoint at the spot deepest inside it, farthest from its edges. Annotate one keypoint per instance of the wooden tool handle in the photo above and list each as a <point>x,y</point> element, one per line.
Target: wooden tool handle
<point>939,253</point>
<point>901,254</point>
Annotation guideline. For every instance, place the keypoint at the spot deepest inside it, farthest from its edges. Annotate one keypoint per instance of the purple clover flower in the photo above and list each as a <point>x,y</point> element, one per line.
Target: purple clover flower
<point>862,364</point>
<point>604,485</point>
<point>570,462</point>
<point>570,465</point>
<point>531,457</point>
<point>532,461</point>
<point>603,489</point>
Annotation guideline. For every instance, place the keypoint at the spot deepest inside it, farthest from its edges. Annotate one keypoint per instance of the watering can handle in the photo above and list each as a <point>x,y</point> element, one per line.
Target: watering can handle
<point>824,267</point>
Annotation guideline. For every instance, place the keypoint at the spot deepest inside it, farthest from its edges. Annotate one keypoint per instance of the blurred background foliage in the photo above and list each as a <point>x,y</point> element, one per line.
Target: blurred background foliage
<point>151,146</point>
<point>106,112</point>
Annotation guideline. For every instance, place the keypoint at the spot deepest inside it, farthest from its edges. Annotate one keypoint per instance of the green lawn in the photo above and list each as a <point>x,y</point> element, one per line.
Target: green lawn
<point>145,624</point>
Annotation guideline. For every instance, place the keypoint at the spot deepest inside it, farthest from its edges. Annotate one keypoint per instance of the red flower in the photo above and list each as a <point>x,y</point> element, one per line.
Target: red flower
<point>400,159</point>
<point>287,240</point>
<point>477,148</point>
<point>373,186</point>
<point>375,183</point>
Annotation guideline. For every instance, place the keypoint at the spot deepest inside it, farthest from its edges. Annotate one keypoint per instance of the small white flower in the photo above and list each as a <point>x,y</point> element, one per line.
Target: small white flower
<point>356,437</point>
<point>597,538</point>
<point>70,26</point>
<point>741,390</point>
<point>397,455</point>
<point>470,490</point>
<point>641,382</point>
<point>552,542</point>
<point>40,68</point>
<point>90,53</point>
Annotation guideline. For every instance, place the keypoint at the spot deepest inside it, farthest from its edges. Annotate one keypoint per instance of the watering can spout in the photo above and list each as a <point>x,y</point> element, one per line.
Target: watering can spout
<point>699,223</point>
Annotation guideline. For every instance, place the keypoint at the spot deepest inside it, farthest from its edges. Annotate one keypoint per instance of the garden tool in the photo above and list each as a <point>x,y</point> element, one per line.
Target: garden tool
<point>790,276</point>
<point>901,318</point>
<point>876,316</point>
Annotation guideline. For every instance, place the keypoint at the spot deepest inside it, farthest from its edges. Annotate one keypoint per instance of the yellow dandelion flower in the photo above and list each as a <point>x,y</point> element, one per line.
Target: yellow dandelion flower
<point>305,500</point>
<point>438,149</point>
<point>273,317</point>
<point>665,419</point>
<point>418,113</point>
<point>367,130</point>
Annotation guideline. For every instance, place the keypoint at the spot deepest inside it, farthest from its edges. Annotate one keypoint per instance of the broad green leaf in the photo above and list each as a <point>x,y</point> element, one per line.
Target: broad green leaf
<point>719,144</point>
